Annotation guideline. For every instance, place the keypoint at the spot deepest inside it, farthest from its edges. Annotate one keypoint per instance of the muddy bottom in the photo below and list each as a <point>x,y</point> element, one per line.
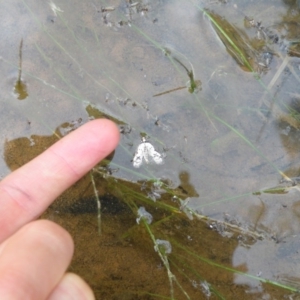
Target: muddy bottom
<point>121,263</point>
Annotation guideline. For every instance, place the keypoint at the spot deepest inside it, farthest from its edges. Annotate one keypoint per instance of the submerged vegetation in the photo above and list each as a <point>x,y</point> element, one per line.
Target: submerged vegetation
<point>194,180</point>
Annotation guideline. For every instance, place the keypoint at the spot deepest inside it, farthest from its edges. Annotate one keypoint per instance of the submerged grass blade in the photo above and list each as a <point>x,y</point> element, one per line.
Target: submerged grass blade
<point>164,258</point>
<point>97,201</point>
<point>235,48</point>
<point>232,270</point>
<point>212,289</point>
<point>239,134</point>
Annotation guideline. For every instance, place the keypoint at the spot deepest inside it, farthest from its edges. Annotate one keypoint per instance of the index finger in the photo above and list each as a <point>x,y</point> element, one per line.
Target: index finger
<point>28,191</point>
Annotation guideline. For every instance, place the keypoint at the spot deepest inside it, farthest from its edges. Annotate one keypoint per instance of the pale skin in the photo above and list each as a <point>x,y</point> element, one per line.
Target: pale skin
<point>34,254</point>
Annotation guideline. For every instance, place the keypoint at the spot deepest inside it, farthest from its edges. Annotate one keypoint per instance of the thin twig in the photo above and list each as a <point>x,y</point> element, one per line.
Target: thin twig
<point>20,62</point>
<point>98,203</point>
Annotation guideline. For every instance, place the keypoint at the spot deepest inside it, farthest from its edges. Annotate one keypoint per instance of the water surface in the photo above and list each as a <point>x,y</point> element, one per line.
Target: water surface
<point>213,86</point>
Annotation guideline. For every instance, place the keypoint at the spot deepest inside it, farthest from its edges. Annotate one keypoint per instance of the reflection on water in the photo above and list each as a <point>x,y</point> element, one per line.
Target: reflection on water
<point>227,137</point>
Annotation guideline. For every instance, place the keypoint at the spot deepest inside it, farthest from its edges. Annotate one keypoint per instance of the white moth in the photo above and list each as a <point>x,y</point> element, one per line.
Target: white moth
<point>146,152</point>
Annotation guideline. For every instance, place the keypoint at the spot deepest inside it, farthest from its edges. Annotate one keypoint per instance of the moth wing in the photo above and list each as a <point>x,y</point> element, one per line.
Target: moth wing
<point>156,157</point>
<point>137,161</point>
<point>138,157</point>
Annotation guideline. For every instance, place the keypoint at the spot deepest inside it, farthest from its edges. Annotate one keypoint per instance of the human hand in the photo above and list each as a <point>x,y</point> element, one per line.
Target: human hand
<point>34,255</point>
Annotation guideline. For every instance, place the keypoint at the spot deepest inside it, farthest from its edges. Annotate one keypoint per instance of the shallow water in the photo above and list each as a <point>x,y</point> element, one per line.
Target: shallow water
<point>225,143</point>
